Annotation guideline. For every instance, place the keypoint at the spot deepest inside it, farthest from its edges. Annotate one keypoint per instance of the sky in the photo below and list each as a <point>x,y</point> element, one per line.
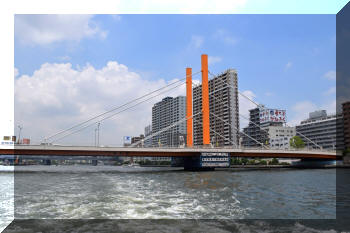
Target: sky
<point>69,68</point>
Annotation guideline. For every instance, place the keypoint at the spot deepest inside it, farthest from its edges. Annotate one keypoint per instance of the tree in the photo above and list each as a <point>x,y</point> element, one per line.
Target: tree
<point>244,161</point>
<point>296,142</point>
<point>274,161</point>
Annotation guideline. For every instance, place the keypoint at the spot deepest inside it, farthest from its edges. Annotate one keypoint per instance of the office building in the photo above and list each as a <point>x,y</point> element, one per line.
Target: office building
<point>279,136</point>
<point>346,120</point>
<point>138,140</point>
<point>324,130</point>
<point>224,110</point>
<point>264,124</point>
<point>164,114</point>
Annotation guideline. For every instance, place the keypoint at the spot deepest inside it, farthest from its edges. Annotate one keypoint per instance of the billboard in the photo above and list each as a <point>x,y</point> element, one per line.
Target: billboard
<point>272,115</point>
<point>127,140</point>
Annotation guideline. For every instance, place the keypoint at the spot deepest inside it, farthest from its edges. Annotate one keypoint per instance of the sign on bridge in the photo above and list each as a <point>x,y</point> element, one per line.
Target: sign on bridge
<point>214,159</point>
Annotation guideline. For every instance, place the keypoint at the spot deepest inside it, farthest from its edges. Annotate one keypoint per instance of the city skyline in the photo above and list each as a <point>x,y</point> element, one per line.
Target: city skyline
<point>78,74</point>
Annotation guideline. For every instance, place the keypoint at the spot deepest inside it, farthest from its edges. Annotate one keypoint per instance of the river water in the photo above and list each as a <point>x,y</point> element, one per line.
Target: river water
<point>108,192</point>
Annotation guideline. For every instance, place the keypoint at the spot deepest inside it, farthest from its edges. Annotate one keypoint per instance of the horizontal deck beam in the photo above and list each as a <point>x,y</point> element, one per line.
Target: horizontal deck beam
<point>162,152</point>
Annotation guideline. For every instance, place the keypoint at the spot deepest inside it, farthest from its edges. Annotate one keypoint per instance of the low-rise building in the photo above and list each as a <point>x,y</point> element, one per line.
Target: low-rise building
<point>148,132</point>
<point>279,136</point>
<point>322,130</point>
<point>138,139</point>
<point>258,131</point>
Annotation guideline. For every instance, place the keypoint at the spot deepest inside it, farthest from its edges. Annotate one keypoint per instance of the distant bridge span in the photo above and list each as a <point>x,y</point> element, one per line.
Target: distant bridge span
<point>30,150</point>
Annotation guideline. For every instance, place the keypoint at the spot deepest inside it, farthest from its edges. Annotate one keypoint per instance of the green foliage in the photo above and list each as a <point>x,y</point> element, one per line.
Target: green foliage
<point>274,161</point>
<point>296,142</point>
<point>236,161</point>
<point>284,163</point>
<point>346,151</point>
<point>263,162</point>
<point>244,161</point>
<point>251,162</point>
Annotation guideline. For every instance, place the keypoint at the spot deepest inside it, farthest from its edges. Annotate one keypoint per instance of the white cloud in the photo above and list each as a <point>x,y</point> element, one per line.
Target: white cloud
<point>269,93</point>
<point>16,72</point>
<point>330,75</point>
<point>244,106</point>
<point>288,65</point>
<point>196,41</point>
<point>330,91</point>
<point>58,96</point>
<point>47,29</point>
<point>213,60</point>
<point>224,35</point>
<point>301,110</point>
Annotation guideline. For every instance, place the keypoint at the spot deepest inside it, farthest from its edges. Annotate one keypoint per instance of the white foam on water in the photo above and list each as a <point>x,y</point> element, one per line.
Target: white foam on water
<point>6,196</point>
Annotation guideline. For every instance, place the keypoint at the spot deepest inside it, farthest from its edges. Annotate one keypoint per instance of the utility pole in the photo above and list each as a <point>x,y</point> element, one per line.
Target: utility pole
<point>98,134</point>
<point>95,137</point>
<point>19,134</point>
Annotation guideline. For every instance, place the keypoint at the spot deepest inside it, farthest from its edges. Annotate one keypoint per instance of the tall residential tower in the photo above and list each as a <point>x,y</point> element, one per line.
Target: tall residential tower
<point>165,113</point>
<point>223,108</point>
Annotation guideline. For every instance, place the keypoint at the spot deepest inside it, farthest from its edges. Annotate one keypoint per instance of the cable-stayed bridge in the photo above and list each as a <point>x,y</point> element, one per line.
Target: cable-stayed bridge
<point>206,152</point>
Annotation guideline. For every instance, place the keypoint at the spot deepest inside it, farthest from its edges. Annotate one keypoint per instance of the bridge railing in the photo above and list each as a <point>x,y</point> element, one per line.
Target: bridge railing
<point>50,146</point>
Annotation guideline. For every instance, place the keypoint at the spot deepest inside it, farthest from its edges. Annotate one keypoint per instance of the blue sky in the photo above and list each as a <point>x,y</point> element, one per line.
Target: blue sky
<point>286,61</point>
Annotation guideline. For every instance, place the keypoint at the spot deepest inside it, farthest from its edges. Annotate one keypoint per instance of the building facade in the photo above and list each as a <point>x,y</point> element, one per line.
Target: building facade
<point>256,136</point>
<point>139,140</point>
<point>279,136</point>
<point>148,132</point>
<point>321,129</point>
<point>224,110</point>
<point>165,113</point>
<point>346,120</point>
<point>264,124</point>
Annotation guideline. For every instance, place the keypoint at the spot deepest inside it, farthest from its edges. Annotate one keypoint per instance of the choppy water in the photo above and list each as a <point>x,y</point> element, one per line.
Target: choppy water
<point>6,196</point>
<point>102,192</point>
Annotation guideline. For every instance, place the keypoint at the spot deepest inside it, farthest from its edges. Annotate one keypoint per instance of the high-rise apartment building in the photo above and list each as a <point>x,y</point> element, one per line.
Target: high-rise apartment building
<point>346,120</point>
<point>165,113</point>
<point>324,130</point>
<point>224,110</point>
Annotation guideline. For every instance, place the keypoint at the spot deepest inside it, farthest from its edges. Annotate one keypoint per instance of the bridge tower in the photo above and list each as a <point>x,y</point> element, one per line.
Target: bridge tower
<point>189,113</point>
<point>205,100</point>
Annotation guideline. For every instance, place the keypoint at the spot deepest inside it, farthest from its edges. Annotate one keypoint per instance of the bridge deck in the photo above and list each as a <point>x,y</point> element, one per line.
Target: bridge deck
<point>161,152</point>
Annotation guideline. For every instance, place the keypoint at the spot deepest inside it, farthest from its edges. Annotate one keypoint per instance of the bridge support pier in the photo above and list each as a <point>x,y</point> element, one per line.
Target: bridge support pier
<point>193,164</point>
<point>94,162</point>
<point>47,162</point>
<point>177,161</point>
<point>314,163</point>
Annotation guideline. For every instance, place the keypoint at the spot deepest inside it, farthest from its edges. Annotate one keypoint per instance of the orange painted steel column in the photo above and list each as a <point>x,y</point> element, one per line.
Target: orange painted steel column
<point>205,100</point>
<point>189,107</point>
